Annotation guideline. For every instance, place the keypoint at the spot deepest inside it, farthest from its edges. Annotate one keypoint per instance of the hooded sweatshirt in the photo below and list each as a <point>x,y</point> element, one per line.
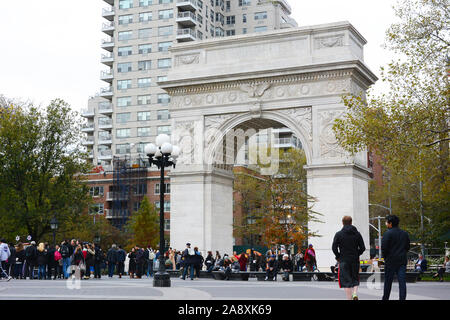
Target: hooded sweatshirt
<point>4,252</point>
<point>348,244</point>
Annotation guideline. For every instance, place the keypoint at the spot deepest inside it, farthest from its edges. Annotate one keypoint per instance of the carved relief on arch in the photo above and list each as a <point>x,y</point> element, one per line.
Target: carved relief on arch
<point>184,135</point>
<point>302,116</point>
<point>329,146</point>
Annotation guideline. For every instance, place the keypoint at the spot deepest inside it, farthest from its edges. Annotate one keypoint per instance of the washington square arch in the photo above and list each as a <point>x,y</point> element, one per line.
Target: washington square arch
<point>292,78</point>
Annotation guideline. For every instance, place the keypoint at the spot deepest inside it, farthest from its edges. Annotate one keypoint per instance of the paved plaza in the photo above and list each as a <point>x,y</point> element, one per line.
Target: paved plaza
<point>203,289</point>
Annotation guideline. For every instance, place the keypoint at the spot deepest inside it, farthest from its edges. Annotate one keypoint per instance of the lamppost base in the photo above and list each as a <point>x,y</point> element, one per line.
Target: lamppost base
<point>161,280</point>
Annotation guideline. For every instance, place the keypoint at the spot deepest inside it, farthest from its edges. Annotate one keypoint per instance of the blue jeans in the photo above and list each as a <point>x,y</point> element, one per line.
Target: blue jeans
<point>66,266</point>
<point>186,267</point>
<point>111,269</point>
<point>41,271</point>
<point>150,268</point>
<point>389,272</point>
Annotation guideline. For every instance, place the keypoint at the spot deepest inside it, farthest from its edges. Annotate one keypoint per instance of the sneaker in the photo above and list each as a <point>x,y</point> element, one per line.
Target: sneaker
<point>9,278</point>
<point>354,297</point>
<point>265,279</point>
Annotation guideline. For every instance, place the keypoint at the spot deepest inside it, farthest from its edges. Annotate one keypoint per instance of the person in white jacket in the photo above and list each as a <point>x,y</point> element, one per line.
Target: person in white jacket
<point>4,255</point>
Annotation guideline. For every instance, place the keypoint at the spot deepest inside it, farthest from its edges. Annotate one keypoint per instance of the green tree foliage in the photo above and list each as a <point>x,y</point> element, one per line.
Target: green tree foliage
<point>41,168</point>
<point>143,226</point>
<point>277,207</point>
<point>407,126</point>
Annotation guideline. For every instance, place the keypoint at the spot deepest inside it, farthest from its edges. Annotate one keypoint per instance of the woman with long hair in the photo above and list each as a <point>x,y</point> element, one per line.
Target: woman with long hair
<point>41,260</point>
<point>20,258</point>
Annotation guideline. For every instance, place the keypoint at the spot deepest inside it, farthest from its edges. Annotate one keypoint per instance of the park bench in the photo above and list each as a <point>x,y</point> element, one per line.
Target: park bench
<point>177,273</point>
<point>411,277</point>
<point>241,275</point>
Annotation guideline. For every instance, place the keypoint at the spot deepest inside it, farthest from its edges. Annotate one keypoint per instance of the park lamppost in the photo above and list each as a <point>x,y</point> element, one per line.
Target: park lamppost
<point>54,226</point>
<point>162,155</point>
<point>379,224</point>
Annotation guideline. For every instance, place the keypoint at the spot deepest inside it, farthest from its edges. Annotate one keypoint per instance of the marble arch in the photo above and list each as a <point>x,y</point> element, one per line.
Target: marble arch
<point>295,77</point>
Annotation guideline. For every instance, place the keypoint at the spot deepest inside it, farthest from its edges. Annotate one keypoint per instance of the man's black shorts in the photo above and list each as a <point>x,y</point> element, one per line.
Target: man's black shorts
<point>348,274</point>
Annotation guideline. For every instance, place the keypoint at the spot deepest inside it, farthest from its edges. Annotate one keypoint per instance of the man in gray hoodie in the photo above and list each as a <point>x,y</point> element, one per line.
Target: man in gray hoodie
<point>4,255</point>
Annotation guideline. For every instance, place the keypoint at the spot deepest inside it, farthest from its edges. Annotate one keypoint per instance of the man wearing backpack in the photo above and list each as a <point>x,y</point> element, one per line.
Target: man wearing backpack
<point>111,260</point>
<point>31,259</point>
<point>65,254</point>
<point>98,260</point>
<point>189,261</point>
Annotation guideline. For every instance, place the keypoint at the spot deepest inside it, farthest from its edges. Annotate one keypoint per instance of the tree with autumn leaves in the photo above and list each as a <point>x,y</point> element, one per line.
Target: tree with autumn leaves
<point>408,125</point>
<point>276,207</point>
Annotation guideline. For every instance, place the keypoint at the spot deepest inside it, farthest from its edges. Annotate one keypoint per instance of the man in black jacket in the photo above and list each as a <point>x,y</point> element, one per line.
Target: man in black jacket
<point>121,256</point>
<point>394,248</point>
<point>31,259</point>
<point>111,260</point>
<point>348,245</point>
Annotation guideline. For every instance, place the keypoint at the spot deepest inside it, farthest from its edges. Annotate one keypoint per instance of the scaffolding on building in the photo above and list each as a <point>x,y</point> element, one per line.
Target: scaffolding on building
<point>128,189</point>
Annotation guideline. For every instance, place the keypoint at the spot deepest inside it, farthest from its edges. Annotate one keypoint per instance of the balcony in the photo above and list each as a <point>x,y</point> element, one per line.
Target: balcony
<point>106,92</point>
<point>187,19</point>
<point>110,196</point>
<point>108,13</point>
<point>108,28</point>
<point>105,124</point>
<point>105,155</point>
<point>107,59</point>
<point>88,127</point>
<point>105,108</point>
<point>105,140</point>
<point>184,5</point>
<point>88,113</point>
<point>108,44</point>
<point>117,214</point>
<point>184,35</point>
<point>88,141</point>
<point>107,76</point>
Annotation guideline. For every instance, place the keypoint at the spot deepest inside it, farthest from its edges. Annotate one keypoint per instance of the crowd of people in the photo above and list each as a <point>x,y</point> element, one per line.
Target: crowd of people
<point>43,261</point>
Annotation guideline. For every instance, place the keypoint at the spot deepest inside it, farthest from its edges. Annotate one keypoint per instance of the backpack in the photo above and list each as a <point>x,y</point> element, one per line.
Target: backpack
<point>151,255</point>
<point>57,256</point>
<point>64,251</point>
<point>191,252</point>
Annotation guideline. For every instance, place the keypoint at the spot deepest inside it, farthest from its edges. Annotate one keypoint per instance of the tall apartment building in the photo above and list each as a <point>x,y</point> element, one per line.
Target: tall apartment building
<point>132,110</point>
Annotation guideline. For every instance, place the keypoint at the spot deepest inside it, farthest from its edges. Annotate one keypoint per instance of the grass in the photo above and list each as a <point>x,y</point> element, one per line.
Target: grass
<point>429,277</point>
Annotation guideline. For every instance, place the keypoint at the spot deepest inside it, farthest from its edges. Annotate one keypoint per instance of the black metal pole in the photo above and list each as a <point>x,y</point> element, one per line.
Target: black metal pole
<point>162,278</point>
<point>54,238</point>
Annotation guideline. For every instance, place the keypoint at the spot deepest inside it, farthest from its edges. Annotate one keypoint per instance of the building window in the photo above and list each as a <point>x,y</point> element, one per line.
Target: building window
<point>163,98</point>
<point>165,14</point>
<point>143,116</point>
<point>123,148</point>
<point>143,100</point>
<point>167,224</point>
<point>165,31</point>
<point>124,101</point>
<point>125,4</point>
<point>243,3</point>
<point>165,1</point>
<point>166,205</point>
<point>145,48</point>
<point>164,46</point>
<point>144,65</point>
<point>261,29</point>
<point>123,117</point>
<point>231,33</point>
<point>125,19</point>
<point>163,115</point>
<point>140,148</point>
<point>123,84</point>
<point>145,3</point>
<point>162,78</point>
<point>104,121</point>
<point>97,208</point>
<point>145,16</point>
<point>164,129</point>
<point>145,33</point>
<point>158,189</point>
<point>244,31</point>
<point>261,15</point>
<point>164,63</point>
<point>124,51</point>
<point>141,189</point>
<point>144,82</point>
<point>231,20</point>
<point>124,67</point>
<point>244,18</point>
<point>143,132</point>
<point>96,191</point>
<point>125,35</point>
<point>123,133</point>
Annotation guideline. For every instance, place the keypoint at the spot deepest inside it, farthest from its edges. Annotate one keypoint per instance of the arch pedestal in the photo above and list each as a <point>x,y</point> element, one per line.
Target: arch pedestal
<point>295,78</point>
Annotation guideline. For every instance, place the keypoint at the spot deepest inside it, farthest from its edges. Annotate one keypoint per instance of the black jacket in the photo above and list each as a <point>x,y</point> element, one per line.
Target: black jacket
<point>99,256</point>
<point>111,256</point>
<point>348,244</point>
<point>121,255</point>
<point>286,264</point>
<point>12,257</point>
<point>394,247</point>
<point>42,257</point>
<point>31,254</point>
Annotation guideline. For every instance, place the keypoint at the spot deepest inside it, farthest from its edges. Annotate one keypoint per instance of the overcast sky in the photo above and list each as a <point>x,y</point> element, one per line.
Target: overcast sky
<point>51,48</point>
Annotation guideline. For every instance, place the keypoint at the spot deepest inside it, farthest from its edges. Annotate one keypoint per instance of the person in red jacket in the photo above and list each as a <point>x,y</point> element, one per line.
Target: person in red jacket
<point>310,258</point>
<point>243,261</point>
